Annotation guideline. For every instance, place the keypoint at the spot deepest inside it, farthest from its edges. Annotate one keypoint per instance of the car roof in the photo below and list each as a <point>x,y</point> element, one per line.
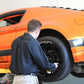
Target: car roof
<point>44,7</point>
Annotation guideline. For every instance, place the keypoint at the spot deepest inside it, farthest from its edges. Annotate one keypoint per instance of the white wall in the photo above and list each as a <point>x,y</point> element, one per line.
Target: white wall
<point>6,5</point>
<point>79,4</point>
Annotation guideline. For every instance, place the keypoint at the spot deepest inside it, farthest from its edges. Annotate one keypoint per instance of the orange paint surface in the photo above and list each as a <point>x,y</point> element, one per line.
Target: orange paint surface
<point>70,23</point>
<point>78,57</point>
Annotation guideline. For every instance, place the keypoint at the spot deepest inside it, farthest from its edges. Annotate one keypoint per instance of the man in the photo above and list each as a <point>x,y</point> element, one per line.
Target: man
<point>28,56</point>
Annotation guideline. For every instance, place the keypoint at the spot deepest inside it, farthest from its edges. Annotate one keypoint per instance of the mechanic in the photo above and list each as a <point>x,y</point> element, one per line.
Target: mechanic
<point>28,56</point>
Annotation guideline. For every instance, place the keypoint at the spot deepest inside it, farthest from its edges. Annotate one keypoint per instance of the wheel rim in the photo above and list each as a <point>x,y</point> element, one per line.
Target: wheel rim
<point>53,54</point>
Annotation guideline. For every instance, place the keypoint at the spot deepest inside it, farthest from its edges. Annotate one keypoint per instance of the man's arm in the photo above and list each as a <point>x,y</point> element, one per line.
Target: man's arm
<point>40,58</point>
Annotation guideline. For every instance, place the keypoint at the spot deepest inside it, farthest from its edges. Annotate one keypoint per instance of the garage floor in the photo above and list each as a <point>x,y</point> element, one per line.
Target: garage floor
<point>69,80</point>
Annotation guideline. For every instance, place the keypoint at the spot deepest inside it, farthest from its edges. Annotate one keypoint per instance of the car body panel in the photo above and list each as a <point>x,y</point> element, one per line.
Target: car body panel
<point>62,19</point>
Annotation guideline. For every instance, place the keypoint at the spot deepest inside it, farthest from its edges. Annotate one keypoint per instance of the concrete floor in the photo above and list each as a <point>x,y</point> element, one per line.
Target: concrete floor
<point>68,80</point>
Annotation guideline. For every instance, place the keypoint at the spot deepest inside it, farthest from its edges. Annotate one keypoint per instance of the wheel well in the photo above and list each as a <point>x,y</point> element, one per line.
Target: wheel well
<point>50,32</point>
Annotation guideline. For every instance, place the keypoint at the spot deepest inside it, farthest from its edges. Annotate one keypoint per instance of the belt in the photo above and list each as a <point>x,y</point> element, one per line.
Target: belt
<point>32,74</point>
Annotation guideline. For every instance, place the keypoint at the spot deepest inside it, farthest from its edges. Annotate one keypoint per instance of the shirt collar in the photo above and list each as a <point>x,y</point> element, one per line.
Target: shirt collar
<point>28,35</point>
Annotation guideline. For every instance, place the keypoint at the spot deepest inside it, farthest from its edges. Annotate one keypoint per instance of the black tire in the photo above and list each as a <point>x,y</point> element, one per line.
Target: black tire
<point>57,51</point>
<point>40,82</point>
<point>2,75</point>
<point>79,75</point>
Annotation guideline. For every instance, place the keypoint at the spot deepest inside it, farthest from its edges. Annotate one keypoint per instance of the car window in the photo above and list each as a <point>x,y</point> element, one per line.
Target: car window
<point>11,20</point>
<point>3,23</point>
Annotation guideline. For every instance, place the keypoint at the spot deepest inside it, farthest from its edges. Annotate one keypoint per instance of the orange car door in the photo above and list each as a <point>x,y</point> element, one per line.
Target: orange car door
<point>9,22</point>
<point>7,35</point>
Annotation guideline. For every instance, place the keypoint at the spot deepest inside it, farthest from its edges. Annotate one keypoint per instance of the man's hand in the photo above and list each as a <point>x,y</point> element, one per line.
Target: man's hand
<point>56,64</point>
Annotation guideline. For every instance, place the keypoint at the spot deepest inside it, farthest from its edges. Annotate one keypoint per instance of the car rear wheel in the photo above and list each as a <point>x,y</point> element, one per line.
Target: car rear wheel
<point>79,75</point>
<point>78,70</point>
<point>56,51</point>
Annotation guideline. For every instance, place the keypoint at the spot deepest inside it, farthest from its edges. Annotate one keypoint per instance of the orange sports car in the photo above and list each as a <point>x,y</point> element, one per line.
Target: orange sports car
<point>61,37</point>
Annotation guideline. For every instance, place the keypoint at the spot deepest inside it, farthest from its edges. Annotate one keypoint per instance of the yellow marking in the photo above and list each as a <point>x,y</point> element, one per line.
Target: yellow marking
<point>5,71</point>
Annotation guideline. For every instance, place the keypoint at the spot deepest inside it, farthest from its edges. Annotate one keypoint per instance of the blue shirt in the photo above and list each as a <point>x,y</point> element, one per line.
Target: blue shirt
<point>28,56</point>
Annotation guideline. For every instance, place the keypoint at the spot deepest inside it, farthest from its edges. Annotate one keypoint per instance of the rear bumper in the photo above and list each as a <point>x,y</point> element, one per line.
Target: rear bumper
<point>79,56</point>
<point>78,53</point>
<point>77,47</point>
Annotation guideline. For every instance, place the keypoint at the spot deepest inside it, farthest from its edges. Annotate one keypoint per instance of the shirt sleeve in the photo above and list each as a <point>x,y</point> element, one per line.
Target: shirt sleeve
<point>40,57</point>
